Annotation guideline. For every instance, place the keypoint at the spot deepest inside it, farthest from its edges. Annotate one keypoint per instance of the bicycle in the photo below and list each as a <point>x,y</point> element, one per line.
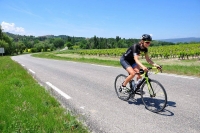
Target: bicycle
<point>153,94</point>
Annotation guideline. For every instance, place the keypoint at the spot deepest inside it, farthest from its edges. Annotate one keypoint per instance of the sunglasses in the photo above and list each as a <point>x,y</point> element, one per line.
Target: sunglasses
<point>147,42</point>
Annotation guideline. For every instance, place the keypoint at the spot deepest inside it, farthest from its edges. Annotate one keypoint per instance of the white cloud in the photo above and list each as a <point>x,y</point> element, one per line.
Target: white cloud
<point>10,27</point>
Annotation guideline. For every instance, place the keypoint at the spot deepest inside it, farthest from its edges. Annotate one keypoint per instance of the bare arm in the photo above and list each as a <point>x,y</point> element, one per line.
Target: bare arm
<point>149,60</point>
<point>136,58</point>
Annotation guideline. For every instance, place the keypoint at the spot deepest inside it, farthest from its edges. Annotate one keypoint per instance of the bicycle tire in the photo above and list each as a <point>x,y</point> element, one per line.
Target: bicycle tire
<point>118,82</point>
<point>157,102</point>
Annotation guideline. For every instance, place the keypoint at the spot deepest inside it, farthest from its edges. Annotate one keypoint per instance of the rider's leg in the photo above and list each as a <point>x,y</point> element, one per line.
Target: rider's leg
<point>127,66</point>
<point>138,77</point>
<point>137,70</point>
<point>131,72</point>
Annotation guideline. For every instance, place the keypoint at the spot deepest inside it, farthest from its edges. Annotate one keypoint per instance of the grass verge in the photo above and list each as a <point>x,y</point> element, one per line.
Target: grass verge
<point>181,69</point>
<point>25,106</point>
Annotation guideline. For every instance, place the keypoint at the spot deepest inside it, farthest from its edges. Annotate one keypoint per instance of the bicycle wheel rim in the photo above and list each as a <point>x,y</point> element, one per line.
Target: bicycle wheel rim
<point>157,102</point>
<point>118,82</point>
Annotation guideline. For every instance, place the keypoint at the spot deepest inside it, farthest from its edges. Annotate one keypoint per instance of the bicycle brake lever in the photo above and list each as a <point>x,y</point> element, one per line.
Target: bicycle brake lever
<point>160,68</point>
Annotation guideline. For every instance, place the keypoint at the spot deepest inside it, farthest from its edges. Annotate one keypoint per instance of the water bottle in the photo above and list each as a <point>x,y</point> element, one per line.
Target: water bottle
<point>133,84</point>
<point>138,82</point>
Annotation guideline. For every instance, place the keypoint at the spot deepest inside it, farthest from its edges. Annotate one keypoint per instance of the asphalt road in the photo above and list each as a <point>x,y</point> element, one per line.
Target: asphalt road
<point>88,91</point>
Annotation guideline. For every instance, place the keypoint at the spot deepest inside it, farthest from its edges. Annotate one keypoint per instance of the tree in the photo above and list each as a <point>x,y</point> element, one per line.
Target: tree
<point>121,44</point>
<point>39,47</point>
<point>75,47</point>
<point>69,39</point>
<point>6,43</point>
<point>20,47</point>
<point>58,43</point>
<point>69,45</point>
<point>1,33</point>
<point>117,38</point>
<point>96,42</point>
<point>46,46</point>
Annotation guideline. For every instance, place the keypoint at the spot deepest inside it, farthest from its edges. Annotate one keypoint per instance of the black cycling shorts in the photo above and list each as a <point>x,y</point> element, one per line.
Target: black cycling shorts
<point>125,64</point>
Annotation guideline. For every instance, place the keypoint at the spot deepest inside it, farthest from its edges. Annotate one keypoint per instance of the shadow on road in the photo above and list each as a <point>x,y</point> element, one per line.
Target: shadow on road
<point>165,112</point>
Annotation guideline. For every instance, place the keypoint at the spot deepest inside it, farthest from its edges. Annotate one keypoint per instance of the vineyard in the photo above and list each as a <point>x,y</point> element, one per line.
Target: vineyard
<point>181,51</point>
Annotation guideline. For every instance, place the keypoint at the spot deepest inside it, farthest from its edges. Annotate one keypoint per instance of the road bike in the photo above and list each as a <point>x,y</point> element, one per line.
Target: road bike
<point>153,94</point>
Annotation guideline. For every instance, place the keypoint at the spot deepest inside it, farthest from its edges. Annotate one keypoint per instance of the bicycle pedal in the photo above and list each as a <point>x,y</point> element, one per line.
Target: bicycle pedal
<point>137,93</point>
<point>132,96</point>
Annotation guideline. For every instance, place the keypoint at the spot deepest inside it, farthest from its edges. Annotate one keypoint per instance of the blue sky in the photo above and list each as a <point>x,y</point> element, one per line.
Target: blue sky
<point>163,19</point>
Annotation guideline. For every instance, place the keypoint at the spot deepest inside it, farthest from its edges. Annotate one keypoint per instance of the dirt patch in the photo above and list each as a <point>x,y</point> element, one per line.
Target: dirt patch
<point>89,56</point>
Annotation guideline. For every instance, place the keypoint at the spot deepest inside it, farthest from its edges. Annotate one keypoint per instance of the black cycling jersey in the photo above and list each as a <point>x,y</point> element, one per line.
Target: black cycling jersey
<point>135,49</point>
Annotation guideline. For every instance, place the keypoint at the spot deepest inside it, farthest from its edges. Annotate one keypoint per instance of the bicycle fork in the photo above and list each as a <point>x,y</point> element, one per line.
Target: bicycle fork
<point>150,89</point>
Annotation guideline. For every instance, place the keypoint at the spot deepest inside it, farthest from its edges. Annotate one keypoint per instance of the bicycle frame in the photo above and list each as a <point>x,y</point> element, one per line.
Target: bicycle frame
<point>146,78</point>
<point>146,89</point>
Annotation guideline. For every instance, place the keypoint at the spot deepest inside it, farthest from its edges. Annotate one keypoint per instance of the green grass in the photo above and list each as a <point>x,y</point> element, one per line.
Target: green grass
<point>25,106</point>
<point>183,70</point>
<point>183,67</point>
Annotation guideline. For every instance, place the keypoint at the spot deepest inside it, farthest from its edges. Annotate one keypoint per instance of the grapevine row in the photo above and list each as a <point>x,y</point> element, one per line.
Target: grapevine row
<point>183,51</point>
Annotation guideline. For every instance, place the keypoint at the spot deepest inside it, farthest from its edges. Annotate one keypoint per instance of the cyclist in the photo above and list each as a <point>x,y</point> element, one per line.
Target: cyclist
<point>130,59</point>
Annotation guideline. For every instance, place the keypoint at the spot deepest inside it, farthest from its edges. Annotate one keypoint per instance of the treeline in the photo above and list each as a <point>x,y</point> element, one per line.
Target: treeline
<point>17,44</point>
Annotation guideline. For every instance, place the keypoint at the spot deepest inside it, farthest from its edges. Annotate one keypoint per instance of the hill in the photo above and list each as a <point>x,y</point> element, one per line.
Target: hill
<point>182,40</point>
<point>173,40</point>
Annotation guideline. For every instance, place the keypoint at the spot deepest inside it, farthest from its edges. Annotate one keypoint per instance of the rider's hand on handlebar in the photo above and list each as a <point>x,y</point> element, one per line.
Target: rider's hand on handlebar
<point>145,69</point>
<point>158,66</point>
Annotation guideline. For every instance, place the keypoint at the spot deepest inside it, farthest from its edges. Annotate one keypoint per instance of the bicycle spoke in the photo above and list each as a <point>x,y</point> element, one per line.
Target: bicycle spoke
<point>123,95</point>
<point>157,102</point>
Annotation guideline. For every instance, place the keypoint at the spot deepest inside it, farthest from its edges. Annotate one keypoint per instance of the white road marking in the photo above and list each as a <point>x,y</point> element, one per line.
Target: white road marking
<point>82,107</point>
<point>31,71</point>
<point>58,90</point>
<point>101,65</point>
<point>23,65</point>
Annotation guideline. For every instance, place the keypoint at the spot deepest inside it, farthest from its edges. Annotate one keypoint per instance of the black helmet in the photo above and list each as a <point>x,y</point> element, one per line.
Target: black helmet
<point>146,37</point>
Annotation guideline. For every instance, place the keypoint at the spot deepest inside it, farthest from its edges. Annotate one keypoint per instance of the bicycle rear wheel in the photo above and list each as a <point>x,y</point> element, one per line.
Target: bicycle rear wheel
<point>155,99</point>
<point>118,82</point>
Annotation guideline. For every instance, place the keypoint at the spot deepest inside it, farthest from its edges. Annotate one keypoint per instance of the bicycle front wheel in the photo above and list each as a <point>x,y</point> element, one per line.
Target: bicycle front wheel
<point>123,95</point>
<point>154,96</point>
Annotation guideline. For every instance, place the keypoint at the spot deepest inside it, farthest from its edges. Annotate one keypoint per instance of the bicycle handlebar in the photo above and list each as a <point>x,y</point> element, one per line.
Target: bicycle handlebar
<point>149,68</point>
<point>158,68</point>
